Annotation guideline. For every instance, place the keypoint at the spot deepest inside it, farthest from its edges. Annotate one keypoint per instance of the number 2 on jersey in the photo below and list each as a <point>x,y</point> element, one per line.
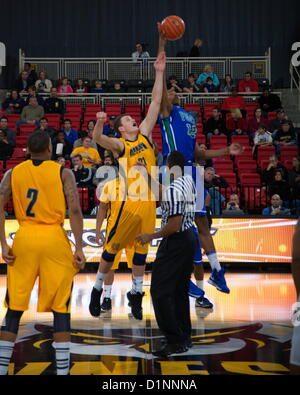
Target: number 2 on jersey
<point>31,194</point>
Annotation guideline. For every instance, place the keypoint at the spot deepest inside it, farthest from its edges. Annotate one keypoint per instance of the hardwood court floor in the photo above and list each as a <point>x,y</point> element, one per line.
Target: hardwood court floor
<point>248,331</point>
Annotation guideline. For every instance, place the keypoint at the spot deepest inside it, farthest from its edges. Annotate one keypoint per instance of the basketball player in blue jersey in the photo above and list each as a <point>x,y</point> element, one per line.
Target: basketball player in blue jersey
<point>179,133</point>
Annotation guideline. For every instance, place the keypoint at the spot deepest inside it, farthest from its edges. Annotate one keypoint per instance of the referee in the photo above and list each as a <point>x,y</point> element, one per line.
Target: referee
<point>174,260</point>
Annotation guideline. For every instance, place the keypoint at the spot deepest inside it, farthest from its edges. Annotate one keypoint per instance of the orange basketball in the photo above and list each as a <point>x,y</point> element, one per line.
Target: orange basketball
<point>173,27</point>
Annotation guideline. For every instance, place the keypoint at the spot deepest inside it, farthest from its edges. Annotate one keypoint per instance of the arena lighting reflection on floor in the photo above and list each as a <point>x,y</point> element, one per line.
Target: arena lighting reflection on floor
<point>248,331</point>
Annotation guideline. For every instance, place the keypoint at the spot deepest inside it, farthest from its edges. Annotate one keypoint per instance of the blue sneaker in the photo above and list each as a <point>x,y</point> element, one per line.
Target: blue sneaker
<point>217,279</point>
<point>204,303</point>
<point>194,291</point>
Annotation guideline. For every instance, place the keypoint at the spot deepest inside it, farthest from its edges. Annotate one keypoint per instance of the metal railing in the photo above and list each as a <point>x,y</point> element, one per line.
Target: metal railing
<point>127,68</point>
<point>295,81</point>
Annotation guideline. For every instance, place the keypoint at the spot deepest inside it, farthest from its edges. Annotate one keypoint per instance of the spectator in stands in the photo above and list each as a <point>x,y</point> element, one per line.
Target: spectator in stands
<point>215,132</point>
<point>213,183</point>
<point>280,187</point>
<point>207,162</point>
<point>32,75</point>
<point>209,86</point>
<point>79,142</point>
<point>108,171</point>
<point>23,82</point>
<point>208,72</point>
<point>32,93</point>
<point>43,84</point>
<point>45,128</point>
<point>83,175</point>
<point>256,121</point>
<point>54,105</point>
<point>109,130</point>
<point>90,127</point>
<point>195,50</point>
<point>294,180</point>
<point>233,206</point>
<point>269,173</point>
<point>6,149</point>
<point>236,125</point>
<point>61,146</point>
<point>10,134</point>
<point>276,207</point>
<point>248,84</point>
<point>80,86</point>
<point>91,157</point>
<point>262,137</point>
<point>117,88</point>
<point>269,101</point>
<point>32,113</point>
<point>284,136</point>
<point>233,101</point>
<point>215,122</point>
<point>190,85</point>
<point>277,122</point>
<point>98,88</point>
<point>61,161</point>
<point>70,134</point>
<point>140,52</point>
<point>13,104</point>
<point>173,84</point>
<point>64,86</point>
<point>228,84</point>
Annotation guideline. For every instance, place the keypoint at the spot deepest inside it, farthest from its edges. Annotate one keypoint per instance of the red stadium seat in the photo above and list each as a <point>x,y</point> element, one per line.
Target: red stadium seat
<point>84,199</point>
<point>264,163</point>
<point>226,165</point>
<point>19,153</point>
<point>250,179</point>
<point>246,166</point>
<point>288,152</point>
<point>264,152</point>
<point>288,164</point>
<point>201,139</point>
<point>27,129</point>
<point>272,115</point>
<point>242,140</point>
<point>93,107</point>
<point>21,141</point>
<point>116,107</point>
<point>230,177</point>
<point>73,107</point>
<point>255,198</point>
<point>251,107</point>
<point>218,140</point>
<point>135,108</point>
<point>247,154</point>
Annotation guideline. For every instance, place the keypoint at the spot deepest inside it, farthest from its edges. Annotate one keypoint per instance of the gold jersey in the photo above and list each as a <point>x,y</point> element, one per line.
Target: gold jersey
<point>37,192</point>
<point>139,150</point>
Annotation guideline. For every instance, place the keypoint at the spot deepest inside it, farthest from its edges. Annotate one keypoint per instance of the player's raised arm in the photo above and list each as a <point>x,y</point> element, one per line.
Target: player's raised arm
<point>148,123</point>
<point>166,106</point>
<point>234,149</point>
<point>110,143</point>
<point>5,195</point>
<point>75,215</point>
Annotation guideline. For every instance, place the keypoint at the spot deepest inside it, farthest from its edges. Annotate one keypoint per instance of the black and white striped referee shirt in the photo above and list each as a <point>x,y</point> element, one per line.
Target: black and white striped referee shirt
<point>180,199</point>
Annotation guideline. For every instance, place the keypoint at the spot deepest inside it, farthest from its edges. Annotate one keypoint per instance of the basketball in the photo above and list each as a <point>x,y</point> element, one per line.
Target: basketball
<point>173,27</point>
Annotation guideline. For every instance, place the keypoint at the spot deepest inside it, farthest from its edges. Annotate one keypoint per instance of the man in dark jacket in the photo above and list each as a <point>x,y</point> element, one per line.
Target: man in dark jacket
<point>269,101</point>
<point>215,122</point>
<point>54,105</point>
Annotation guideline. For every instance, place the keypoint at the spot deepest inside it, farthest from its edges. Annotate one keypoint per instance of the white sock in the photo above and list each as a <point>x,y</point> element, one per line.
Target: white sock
<point>6,350</point>
<point>137,284</point>
<point>200,284</point>
<point>99,280</point>
<point>107,291</point>
<point>62,354</point>
<point>213,261</point>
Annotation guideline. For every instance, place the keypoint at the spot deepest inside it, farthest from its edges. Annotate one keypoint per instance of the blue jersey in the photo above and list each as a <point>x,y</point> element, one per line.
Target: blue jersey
<point>179,134</point>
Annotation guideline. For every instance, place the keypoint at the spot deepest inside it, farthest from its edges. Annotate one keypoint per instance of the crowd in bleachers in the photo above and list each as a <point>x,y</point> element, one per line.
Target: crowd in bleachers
<point>269,165</point>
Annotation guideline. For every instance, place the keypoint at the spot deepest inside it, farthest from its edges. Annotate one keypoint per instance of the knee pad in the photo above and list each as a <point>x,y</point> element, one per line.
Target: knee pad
<point>139,259</point>
<point>108,257</point>
<point>11,321</point>
<point>61,322</point>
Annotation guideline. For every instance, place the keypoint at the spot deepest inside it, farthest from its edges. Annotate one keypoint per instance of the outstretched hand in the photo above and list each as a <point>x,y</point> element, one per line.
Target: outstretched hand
<point>102,117</point>
<point>236,149</point>
<point>160,63</point>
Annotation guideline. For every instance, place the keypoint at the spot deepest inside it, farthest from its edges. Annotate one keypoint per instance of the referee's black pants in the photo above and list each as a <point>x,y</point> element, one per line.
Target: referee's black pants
<point>170,283</point>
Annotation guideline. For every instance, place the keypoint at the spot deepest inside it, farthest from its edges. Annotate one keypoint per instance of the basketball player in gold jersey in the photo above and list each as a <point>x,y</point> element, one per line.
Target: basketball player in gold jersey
<point>136,212</point>
<point>39,188</point>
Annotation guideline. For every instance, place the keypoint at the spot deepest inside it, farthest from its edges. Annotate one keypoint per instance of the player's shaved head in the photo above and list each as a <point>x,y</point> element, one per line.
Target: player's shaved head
<point>38,142</point>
